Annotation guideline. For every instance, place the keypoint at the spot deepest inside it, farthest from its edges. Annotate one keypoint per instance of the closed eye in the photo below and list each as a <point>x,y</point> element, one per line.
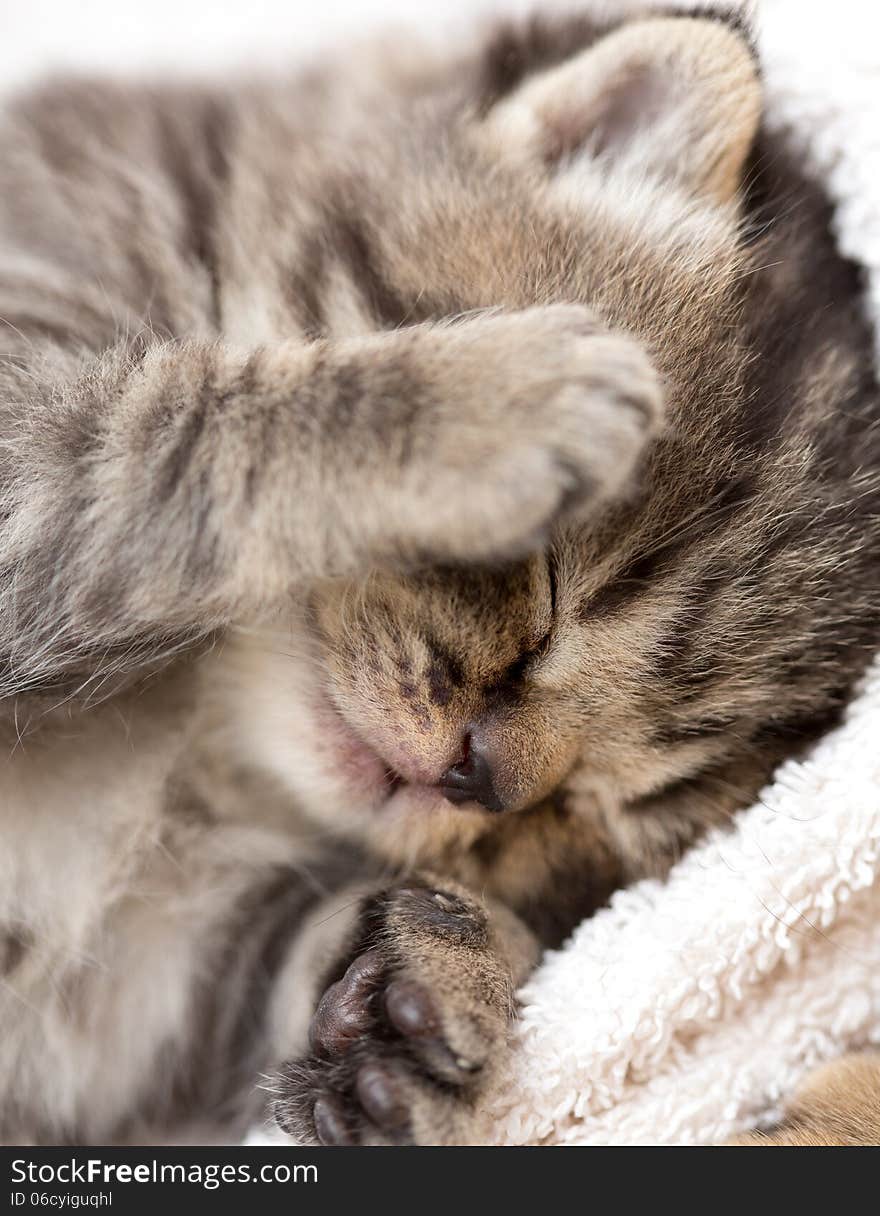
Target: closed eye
<point>552,580</point>
<point>518,668</point>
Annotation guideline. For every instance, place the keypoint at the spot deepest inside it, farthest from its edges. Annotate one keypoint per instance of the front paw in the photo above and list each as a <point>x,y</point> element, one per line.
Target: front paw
<point>403,1044</point>
<point>538,417</point>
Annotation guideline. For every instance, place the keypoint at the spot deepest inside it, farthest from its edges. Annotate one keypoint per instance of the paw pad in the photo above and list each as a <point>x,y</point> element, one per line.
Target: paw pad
<point>411,1010</point>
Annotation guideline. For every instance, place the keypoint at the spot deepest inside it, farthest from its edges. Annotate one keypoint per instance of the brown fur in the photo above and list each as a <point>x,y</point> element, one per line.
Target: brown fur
<point>837,1106</point>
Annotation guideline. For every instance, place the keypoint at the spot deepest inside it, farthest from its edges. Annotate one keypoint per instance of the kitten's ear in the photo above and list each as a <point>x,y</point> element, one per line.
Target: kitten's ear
<point>678,97</point>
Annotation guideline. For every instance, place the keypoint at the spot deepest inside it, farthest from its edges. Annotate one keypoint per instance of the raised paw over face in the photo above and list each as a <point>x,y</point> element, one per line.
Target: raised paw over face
<point>404,1042</point>
<point>525,420</point>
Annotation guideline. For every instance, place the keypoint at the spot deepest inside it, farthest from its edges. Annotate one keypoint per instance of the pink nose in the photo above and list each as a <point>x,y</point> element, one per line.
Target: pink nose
<point>470,779</point>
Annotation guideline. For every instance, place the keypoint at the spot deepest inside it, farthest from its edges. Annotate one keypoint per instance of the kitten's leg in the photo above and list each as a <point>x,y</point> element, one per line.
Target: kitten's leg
<point>838,1104</point>
<point>193,987</point>
<point>408,1036</point>
<point>157,498</point>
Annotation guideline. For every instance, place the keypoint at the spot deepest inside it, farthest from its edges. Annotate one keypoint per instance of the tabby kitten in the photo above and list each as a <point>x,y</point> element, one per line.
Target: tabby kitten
<point>432,496</point>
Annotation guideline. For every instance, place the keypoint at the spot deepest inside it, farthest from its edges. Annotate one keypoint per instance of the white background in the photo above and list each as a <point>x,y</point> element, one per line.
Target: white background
<point>37,36</point>
<point>119,36</point>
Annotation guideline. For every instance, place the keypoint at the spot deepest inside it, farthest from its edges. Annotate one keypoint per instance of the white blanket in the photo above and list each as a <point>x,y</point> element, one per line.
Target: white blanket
<point>688,1010</point>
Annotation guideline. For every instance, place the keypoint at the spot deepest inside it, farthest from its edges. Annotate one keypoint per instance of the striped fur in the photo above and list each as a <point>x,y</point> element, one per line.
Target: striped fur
<point>342,420</point>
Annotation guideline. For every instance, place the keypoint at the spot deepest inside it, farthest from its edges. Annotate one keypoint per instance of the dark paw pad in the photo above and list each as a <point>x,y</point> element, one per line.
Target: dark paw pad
<point>343,1015</point>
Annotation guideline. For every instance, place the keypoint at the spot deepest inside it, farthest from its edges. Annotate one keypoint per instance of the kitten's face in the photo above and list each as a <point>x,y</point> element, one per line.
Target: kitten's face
<point>421,709</point>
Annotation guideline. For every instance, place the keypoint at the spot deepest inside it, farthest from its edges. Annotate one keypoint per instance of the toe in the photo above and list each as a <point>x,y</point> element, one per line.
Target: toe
<point>414,1014</point>
<point>381,1095</point>
<point>343,1015</point>
<point>411,1009</point>
<point>331,1126</point>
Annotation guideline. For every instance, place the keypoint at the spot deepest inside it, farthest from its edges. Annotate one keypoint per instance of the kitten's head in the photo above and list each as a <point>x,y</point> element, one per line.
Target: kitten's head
<point>647,650</point>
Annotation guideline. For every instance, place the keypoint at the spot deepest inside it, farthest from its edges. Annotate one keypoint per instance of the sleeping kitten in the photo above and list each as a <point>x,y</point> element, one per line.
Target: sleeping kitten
<point>432,495</point>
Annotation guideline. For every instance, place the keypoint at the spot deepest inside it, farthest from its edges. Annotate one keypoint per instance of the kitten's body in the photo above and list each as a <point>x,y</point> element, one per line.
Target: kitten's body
<point>212,644</point>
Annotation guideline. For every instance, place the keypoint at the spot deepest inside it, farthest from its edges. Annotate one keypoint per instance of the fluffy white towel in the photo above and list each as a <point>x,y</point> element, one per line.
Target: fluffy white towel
<point>688,1010</point>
